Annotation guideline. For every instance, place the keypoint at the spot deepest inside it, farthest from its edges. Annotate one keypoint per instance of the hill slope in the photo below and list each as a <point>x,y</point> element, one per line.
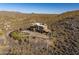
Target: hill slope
<point>65,33</point>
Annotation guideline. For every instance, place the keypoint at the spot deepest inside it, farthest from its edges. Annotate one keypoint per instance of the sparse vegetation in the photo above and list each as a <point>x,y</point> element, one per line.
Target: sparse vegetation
<point>65,33</point>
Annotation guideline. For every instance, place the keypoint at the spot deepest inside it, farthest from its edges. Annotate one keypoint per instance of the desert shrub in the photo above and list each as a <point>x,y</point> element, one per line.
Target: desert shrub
<point>15,35</point>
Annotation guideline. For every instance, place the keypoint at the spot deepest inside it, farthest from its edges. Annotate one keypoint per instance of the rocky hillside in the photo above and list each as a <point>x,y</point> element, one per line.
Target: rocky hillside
<point>66,33</point>
<point>64,39</point>
<point>16,20</point>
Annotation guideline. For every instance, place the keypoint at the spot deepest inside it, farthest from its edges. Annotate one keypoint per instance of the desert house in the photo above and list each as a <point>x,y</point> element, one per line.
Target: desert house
<point>39,27</point>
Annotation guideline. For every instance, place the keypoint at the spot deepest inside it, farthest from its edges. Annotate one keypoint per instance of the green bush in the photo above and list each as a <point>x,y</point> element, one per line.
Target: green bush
<point>16,35</point>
